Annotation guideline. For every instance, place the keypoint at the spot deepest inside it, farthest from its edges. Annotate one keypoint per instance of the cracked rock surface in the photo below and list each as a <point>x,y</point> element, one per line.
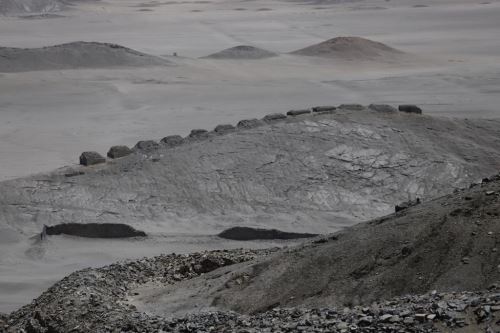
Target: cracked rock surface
<point>310,173</point>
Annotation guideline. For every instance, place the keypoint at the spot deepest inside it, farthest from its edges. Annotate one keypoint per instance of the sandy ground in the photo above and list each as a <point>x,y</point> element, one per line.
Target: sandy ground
<point>47,118</point>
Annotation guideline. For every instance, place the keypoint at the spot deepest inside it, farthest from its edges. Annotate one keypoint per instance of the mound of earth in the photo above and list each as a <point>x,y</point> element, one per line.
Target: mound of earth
<point>242,52</point>
<point>93,230</point>
<point>449,244</point>
<point>246,233</point>
<point>351,48</point>
<point>311,174</point>
<point>72,56</point>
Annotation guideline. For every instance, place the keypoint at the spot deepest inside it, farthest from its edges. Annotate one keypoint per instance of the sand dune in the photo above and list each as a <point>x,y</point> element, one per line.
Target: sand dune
<point>242,52</point>
<point>351,48</point>
<point>74,55</point>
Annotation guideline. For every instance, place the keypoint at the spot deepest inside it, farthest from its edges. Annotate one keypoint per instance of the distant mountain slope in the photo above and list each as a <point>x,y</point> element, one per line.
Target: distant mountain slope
<point>73,55</point>
<point>242,52</point>
<point>312,173</point>
<point>351,48</point>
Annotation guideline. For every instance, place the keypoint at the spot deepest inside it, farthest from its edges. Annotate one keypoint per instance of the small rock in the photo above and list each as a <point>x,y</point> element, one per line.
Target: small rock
<point>490,192</point>
<point>119,151</point>
<point>146,145</point>
<point>274,117</point>
<point>409,108</point>
<point>382,108</point>
<point>172,140</point>
<point>297,112</point>
<point>225,128</point>
<point>91,158</point>
<point>249,123</point>
<point>198,133</point>
<point>352,107</point>
<point>325,108</point>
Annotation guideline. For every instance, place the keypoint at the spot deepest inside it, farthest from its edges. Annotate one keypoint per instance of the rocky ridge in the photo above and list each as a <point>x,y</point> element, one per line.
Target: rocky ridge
<point>343,166</point>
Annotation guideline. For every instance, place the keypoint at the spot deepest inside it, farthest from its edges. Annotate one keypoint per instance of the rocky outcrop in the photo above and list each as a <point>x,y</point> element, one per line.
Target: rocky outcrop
<point>93,230</point>
<point>409,108</point>
<point>119,151</point>
<point>246,233</point>
<point>91,158</point>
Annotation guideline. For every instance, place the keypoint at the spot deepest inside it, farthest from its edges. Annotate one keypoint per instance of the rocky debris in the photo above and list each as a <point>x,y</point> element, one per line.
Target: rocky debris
<point>249,123</point>
<point>3,321</point>
<point>242,52</point>
<point>91,157</point>
<point>408,108</point>
<point>223,129</point>
<point>119,151</point>
<point>417,314</point>
<point>297,112</point>
<point>351,49</point>
<point>413,252</point>
<point>146,145</point>
<point>382,108</point>
<point>352,107</point>
<point>327,108</point>
<point>246,233</point>
<point>274,117</point>
<point>406,204</point>
<point>198,134</point>
<point>73,56</point>
<point>93,230</point>
<point>95,300</point>
<point>172,140</point>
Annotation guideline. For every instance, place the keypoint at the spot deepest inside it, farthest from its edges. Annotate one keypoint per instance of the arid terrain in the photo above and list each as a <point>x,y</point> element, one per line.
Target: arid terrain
<point>238,128</point>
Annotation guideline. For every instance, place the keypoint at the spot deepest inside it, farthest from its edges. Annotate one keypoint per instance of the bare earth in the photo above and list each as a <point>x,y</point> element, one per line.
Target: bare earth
<point>451,68</point>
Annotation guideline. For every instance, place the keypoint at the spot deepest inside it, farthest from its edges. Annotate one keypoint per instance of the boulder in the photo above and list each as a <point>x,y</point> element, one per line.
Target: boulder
<point>353,107</point>
<point>119,151</point>
<point>225,128</point>
<point>249,123</point>
<point>146,145</point>
<point>246,233</point>
<point>406,205</point>
<point>294,113</point>
<point>409,108</point>
<point>382,108</point>
<point>172,140</point>
<point>91,158</point>
<point>93,230</point>
<point>198,133</point>
<point>325,108</point>
<point>274,117</point>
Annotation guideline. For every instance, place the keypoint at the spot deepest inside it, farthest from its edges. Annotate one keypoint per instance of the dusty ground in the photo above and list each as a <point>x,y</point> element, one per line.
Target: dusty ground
<point>49,117</point>
<point>457,76</point>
